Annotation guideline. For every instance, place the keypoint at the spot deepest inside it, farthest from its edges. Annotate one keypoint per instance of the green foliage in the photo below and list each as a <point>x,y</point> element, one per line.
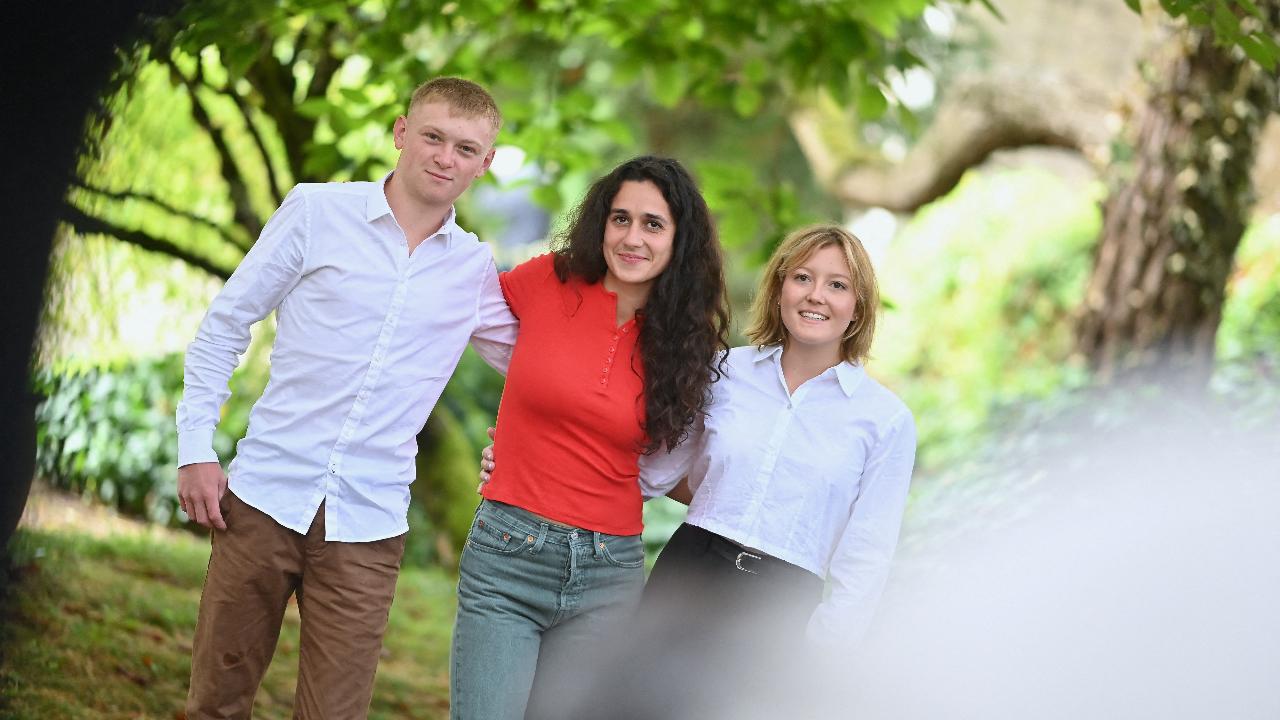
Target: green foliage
<point>101,628</point>
<point>984,282</point>
<point>108,433</point>
<point>1248,367</point>
<point>257,96</point>
<point>1242,23</point>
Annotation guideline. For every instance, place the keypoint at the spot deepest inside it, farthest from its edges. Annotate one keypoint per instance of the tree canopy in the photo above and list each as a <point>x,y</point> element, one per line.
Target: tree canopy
<point>258,96</point>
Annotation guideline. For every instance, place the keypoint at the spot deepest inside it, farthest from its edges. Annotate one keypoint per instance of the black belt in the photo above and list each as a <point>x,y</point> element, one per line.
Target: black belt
<point>746,559</point>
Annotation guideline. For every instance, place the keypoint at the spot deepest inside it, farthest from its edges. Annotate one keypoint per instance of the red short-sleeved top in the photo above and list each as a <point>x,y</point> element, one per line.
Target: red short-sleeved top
<point>571,421</point>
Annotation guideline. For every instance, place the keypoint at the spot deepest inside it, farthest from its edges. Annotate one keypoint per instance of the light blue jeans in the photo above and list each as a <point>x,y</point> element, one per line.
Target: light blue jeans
<point>537,602</point>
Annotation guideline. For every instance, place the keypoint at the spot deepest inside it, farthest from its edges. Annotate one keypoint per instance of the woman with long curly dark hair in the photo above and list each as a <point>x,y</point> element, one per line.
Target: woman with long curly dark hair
<point>622,329</point>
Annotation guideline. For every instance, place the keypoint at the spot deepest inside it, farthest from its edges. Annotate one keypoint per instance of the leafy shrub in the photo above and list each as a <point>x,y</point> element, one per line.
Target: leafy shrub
<point>108,433</point>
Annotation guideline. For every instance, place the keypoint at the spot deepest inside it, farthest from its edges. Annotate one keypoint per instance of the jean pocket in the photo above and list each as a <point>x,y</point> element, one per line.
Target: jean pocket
<point>491,536</point>
<point>623,552</point>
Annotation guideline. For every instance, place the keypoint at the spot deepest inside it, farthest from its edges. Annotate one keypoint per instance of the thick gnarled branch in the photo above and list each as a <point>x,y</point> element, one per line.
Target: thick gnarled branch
<point>976,119</point>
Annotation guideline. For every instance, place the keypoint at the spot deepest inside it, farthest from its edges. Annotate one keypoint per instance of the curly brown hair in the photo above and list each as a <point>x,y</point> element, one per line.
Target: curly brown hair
<point>685,320</point>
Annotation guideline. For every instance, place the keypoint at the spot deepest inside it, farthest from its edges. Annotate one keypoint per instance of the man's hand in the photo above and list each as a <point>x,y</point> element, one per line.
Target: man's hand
<point>200,488</point>
<point>486,462</point>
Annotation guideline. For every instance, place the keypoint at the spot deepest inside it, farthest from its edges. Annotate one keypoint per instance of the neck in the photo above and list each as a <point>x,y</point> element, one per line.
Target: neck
<point>630,297</point>
<point>802,363</point>
<point>419,221</point>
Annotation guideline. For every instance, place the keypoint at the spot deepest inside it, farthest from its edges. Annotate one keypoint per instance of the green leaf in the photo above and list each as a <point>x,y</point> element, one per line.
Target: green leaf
<point>1252,8</point>
<point>1134,5</point>
<point>548,196</point>
<point>1225,24</point>
<point>756,70</point>
<point>237,59</point>
<point>693,30</point>
<point>746,99</point>
<point>313,107</point>
<point>1260,51</point>
<point>668,82</point>
<point>871,102</point>
<point>883,18</point>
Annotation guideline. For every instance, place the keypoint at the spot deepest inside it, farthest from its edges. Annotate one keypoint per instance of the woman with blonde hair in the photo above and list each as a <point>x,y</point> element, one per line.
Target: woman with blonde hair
<point>799,475</point>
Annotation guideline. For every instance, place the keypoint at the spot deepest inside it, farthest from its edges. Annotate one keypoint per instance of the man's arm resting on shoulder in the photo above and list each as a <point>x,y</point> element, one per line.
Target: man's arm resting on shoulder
<point>266,275</point>
<point>496,327</point>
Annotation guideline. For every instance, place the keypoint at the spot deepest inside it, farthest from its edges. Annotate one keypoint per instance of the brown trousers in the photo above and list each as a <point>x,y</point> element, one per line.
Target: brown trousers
<point>344,598</point>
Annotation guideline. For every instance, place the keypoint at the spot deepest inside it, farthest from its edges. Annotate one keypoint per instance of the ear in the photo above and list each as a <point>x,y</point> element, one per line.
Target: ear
<point>488,160</point>
<point>400,130</point>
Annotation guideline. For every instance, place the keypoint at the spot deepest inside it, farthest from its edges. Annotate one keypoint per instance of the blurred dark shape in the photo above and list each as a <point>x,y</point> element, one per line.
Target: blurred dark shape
<point>57,57</point>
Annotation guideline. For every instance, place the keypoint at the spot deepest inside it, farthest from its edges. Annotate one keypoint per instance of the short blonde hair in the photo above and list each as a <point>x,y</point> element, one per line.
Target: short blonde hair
<point>766,321</point>
<point>465,97</point>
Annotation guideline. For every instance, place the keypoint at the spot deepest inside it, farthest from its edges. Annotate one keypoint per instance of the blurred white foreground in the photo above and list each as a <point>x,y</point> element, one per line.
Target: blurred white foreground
<point>1138,576</point>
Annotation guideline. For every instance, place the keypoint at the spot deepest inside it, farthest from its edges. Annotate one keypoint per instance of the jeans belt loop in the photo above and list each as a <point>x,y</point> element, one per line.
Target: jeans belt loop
<point>597,544</point>
<point>542,538</point>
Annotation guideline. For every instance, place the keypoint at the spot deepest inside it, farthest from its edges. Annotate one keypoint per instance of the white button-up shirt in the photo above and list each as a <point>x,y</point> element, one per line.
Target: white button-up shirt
<point>367,335</point>
<point>817,477</point>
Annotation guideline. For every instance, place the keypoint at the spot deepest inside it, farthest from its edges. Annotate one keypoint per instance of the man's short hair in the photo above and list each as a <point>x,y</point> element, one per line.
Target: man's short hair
<point>465,97</point>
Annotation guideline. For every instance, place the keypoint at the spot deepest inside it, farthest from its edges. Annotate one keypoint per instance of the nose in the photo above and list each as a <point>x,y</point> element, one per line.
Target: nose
<point>445,156</point>
<point>632,237</point>
<point>815,295</point>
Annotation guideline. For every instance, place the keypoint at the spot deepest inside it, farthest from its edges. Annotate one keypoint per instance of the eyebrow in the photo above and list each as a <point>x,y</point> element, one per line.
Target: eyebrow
<point>442,133</point>
<point>809,270</point>
<point>646,216</point>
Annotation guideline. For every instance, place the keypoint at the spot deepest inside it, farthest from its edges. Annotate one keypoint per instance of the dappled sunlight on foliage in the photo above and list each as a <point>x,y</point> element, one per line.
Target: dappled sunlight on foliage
<point>983,285</point>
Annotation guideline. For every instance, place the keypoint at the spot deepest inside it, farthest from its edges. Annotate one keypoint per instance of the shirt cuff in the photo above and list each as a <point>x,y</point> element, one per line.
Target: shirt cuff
<point>196,446</point>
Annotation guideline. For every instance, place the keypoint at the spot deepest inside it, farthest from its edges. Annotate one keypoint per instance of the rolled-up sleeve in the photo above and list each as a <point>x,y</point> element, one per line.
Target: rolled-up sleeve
<point>264,277</point>
<point>860,564</point>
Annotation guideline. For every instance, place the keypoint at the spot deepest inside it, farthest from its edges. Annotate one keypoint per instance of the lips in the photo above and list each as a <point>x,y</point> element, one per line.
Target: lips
<point>811,315</point>
<point>631,259</point>
<point>438,176</point>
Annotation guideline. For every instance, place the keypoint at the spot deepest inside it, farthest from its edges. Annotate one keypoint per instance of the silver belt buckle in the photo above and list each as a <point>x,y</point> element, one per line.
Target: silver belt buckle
<point>737,562</point>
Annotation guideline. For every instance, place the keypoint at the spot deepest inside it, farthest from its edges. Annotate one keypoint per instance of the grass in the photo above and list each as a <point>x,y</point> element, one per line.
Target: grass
<point>102,627</point>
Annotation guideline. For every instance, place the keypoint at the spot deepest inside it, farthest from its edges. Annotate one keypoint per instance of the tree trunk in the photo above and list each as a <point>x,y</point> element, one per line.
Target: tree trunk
<point>1173,222</point>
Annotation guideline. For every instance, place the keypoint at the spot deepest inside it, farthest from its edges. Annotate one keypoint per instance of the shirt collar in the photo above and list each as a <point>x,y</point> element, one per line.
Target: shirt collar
<point>376,206</point>
<point>847,374</point>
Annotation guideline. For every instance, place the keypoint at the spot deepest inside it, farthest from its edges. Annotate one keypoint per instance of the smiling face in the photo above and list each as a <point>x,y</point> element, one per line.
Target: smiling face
<point>818,301</point>
<point>441,152</point>
<point>638,237</point>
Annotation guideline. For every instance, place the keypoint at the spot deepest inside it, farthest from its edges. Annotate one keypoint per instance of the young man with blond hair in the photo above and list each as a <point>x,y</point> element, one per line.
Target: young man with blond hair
<point>377,292</point>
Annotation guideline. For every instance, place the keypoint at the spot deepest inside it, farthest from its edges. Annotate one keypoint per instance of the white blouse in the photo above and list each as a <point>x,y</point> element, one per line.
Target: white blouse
<point>817,478</point>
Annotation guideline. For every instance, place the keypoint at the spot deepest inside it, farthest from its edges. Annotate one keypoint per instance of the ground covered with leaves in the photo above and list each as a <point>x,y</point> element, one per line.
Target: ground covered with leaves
<point>96,621</point>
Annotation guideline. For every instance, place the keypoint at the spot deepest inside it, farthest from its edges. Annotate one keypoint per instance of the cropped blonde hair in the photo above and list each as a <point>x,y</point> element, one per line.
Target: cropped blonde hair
<point>766,320</point>
<point>465,97</point>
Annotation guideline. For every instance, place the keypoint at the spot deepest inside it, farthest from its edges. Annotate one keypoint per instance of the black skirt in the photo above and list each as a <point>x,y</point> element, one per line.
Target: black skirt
<point>719,633</point>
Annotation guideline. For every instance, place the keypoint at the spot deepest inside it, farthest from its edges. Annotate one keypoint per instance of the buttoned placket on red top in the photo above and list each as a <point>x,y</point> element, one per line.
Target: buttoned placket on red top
<point>618,332</point>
